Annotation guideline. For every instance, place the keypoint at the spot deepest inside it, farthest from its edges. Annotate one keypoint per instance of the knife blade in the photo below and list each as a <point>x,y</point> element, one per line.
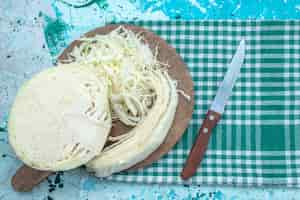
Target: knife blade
<point>214,113</point>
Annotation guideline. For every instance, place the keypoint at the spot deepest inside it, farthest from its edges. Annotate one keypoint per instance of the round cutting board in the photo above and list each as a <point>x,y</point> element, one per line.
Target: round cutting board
<point>26,178</point>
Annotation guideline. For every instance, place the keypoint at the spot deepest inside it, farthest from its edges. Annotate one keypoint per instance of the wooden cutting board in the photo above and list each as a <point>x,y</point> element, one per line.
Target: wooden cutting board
<point>26,178</point>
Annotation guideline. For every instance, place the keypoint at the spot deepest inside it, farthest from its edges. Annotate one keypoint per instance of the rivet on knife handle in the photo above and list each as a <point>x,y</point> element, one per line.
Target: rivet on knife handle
<point>200,145</point>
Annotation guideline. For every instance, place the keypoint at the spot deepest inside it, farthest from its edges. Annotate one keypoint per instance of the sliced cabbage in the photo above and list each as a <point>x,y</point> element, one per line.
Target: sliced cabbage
<point>127,64</point>
<point>141,95</point>
<point>146,137</point>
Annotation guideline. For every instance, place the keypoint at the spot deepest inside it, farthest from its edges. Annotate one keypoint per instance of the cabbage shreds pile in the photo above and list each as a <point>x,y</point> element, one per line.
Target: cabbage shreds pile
<point>140,92</point>
<point>128,66</point>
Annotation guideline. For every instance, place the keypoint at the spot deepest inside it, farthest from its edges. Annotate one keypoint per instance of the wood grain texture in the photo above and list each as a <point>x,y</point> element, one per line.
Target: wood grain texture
<point>26,178</point>
<point>200,145</point>
<point>178,71</point>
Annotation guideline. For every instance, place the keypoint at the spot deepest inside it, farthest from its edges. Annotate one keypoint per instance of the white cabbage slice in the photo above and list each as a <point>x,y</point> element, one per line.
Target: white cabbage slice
<point>60,118</point>
<point>146,137</point>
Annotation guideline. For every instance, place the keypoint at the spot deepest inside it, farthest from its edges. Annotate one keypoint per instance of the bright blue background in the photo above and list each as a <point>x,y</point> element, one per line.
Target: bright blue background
<point>33,32</point>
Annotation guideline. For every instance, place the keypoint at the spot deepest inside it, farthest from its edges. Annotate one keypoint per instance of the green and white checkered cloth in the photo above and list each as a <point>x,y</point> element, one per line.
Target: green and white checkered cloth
<point>257,141</point>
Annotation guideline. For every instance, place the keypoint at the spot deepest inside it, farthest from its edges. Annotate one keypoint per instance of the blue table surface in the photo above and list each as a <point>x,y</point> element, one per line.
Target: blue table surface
<point>33,32</point>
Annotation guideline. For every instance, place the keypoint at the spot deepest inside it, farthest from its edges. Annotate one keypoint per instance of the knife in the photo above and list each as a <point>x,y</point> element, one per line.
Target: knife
<point>214,113</point>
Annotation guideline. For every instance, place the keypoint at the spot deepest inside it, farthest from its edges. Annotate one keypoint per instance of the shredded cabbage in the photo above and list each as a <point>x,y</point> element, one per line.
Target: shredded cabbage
<point>144,138</point>
<point>128,65</point>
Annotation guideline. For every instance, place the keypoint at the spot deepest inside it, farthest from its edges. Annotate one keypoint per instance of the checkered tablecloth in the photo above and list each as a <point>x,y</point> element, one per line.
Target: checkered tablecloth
<point>257,141</point>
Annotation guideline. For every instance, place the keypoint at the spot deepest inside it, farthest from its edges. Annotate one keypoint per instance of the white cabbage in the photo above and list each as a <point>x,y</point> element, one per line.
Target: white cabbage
<point>60,119</point>
<point>126,82</point>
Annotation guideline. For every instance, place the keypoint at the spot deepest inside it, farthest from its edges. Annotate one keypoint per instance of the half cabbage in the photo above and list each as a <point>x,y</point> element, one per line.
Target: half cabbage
<point>60,119</point>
